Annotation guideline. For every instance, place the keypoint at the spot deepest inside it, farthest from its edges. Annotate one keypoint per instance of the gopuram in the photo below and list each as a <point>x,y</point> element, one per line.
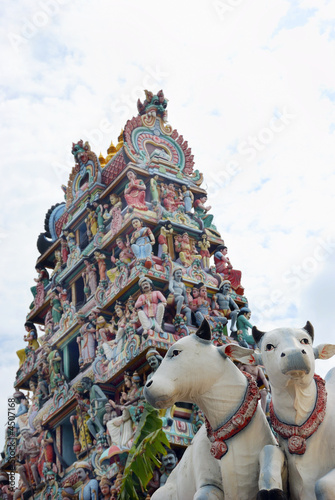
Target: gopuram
<point>129,263</point>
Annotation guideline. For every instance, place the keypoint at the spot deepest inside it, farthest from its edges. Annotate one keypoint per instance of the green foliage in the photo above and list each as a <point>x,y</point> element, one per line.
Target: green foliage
<point>149,441</point>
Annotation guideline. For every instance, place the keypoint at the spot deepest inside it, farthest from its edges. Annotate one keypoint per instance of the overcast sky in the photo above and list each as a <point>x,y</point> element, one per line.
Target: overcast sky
<point>251,87</point>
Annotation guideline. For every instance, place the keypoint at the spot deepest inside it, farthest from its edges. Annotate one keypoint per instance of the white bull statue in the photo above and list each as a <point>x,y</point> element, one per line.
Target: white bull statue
<point>302,411</point>
<point>196,371</point>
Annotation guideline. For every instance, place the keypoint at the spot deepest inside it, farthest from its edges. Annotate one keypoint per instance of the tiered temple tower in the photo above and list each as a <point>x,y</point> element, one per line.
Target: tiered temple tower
<point>130,262</point>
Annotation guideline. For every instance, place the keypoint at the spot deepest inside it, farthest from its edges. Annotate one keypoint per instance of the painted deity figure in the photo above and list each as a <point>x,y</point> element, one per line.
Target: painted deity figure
<point>186,249</point>
<point>154,359</point>
<point>91,280</point>
<point>126,254</point>
<point>178,289</point>
<point>55,364</point>
<point>201,210</point>
<point>64,249</point>
<point>225,268</point>
<point>115,346</point>
<point>28,451</point>
<point>141,241</point>
<point>243,324</point>
<point>101,261</point>
<point>22,411</point>
<point>134,192</point>
<point>42,388</point>
<point>165,233</point>
<point>171,200</point>
<point>226,306</point>
<point>42,279</point>
<point>56,308</point>
<point>97,403</point>
<point>91,225</point>
<point>200,303</point>
<point>86,341</point>
<point>204,246</point>
<point>46,455</point>
<point>81,433</point>
<point>188,198</point>
<point>99,214</point>
<point>115,213</point>
<point>58,263</point>
<point>90,487</point>
<point>31,338</point>
<point>154,189</point>
<point>120,428</point>
<point>105,488</point>
<point>105,337</point>
<point>151,306</point>
<point>169,461</point>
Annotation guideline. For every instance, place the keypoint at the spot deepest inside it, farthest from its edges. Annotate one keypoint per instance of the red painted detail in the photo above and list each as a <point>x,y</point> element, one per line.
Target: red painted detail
<point>236,423</point>
<point>297,434</point>
<point>229,350</point>
<point>60,223</point>
<point>116,166</point>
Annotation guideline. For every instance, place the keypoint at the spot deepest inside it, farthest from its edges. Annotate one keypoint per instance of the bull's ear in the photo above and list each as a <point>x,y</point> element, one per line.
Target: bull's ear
<point>204,331</point>
<point>324,351</point>
<point>257,334</point>
<point>309,329</point>
<point>242,354</point>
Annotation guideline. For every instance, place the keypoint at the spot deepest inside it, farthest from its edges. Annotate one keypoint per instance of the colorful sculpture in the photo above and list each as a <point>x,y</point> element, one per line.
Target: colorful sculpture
<point>115,213</point>
<point>186,249</point>
<point>117,324</point>
<point>188,198</point>
<point>224,267</point>
<point>90,280</point>
<point>142,241</point>
<point>134,192</point>
<point>204,245</point>
<point>151,306</point>
<point>169,461</point>
<point>197,371</point>
<point>153,105</point>
<point>90,487</point>
<point>85,341</point>
<point>31,338</point>
<point>201,210</point>
<point>55,363</point>
<point>178,289</point>
<point>227,307</point>
<point>242,324</point>
<point>56,308</point>
<point>154,359</point>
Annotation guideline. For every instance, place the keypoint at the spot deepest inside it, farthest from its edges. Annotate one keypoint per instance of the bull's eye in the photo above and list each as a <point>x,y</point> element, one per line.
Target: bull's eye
<point>175,352</point>
<point>304,341</point>
<point>269,347</point>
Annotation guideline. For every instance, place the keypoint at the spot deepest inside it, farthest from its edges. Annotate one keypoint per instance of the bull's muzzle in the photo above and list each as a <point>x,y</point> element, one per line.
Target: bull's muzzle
<point>295,360</point>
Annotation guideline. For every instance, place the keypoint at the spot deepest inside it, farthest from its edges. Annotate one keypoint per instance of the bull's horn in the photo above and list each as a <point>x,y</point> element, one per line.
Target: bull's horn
<point>257,334</point>
<point>204,331</point>
<point>309,329</point>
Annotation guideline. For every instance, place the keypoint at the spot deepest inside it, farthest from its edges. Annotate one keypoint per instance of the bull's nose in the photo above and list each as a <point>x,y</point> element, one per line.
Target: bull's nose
<point>148,384</point>
<point>282,355</point>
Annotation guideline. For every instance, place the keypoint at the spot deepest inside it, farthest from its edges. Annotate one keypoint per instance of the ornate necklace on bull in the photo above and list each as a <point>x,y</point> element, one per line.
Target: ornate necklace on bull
<point>298,434</point>
<point>237,422</point>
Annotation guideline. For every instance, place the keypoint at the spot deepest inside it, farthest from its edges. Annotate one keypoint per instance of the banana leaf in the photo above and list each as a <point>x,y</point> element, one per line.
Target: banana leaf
<point>149,442</point>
